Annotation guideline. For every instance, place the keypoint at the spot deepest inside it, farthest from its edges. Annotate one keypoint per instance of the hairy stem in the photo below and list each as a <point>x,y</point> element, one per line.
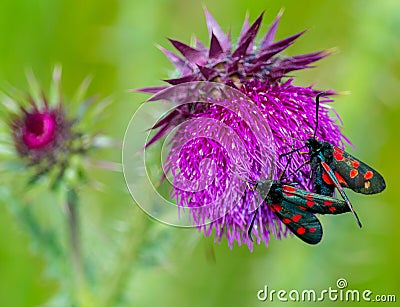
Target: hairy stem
<point>73,229</point>
<point>126,259</point>
<point>81,291</point>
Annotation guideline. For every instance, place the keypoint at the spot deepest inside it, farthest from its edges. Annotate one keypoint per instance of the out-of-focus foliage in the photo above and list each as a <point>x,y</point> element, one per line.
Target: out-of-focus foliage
<point>114,41</point>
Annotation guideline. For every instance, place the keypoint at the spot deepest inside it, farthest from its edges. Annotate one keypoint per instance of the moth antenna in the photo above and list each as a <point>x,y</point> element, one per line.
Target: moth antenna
<point>316,112</point>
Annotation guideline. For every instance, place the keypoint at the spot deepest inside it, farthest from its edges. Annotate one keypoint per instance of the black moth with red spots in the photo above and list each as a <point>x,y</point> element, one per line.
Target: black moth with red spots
<point>334,168</point>
<point>348,170</point>
<point>296,208</point>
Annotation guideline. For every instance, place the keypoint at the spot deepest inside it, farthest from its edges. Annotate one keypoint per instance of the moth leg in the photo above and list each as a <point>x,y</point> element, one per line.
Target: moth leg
<point>251,226</point>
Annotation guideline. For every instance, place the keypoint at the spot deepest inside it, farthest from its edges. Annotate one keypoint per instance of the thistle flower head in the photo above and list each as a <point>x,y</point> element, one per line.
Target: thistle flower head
<point>42,134</point>
<point>259,72</point>
<point>41,137</point>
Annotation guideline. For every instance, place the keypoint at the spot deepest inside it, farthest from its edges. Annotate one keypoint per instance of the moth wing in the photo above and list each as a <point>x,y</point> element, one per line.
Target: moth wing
<point>313,202</point>
<point>303,224</point>
<point>358,176</point>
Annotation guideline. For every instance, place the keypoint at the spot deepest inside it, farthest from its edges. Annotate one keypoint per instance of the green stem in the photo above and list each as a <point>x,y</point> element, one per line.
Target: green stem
<point>73,230</point>
<point>125,260</point>
<point>81,290</point>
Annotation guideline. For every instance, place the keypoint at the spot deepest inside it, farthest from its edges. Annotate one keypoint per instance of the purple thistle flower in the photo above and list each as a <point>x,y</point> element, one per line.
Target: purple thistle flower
<point>260,73</point>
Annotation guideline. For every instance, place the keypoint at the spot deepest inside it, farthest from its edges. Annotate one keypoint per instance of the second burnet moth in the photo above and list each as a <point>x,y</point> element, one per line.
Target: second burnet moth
<point>296,208</point>
<point>333,168</point>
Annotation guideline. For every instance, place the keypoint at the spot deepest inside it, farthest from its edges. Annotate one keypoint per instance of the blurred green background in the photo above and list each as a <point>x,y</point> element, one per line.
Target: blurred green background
<point>115,42</point>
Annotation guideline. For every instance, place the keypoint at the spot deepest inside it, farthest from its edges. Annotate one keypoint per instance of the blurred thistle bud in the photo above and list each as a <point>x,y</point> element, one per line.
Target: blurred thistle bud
<point>42,136</point>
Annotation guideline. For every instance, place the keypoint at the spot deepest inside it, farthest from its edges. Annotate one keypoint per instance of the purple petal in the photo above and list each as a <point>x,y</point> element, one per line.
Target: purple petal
<point>208,73</point>
<point>266,55</point>
<point>213,27</point>
<point>270,36</point>
<point>184,79</point>
<point>193,55</point>
<point>233,66</point>
<point>305,59</point>
<point>177,61</point>
<point>245,27</point>
<point>248,38</point>
<point>200,46</point>
<point>170,118</point>
<point>285,42</point>
<point>296,63</point>
<point>215,48</point>
<point>158,135</point>
<point>174,118</point>
<point>150,89</point>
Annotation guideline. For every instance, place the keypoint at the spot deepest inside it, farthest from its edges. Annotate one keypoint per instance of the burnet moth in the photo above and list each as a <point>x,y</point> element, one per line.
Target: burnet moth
<point>296,208</point>
<point>333,168</point>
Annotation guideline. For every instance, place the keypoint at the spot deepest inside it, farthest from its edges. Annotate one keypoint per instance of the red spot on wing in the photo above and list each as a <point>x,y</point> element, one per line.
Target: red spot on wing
<point>332,209</point>
<point>288,188</point>
<point>296,218</point>
<point>326,178</point>
<point>355,163</point>
<point>288,194</point>
<point>338,156</point>
<point>276,208</point>
<point>309,196</point>
<point>286,220</point>
<point>353,173</point>
<point>301,230</point>
<point>338,150</point>
<point>328,202</point>
<point>340,178</point>
<point>303,208</point>
<point>368,175</point>
<point>312,229</point>
<point>310,203</point>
